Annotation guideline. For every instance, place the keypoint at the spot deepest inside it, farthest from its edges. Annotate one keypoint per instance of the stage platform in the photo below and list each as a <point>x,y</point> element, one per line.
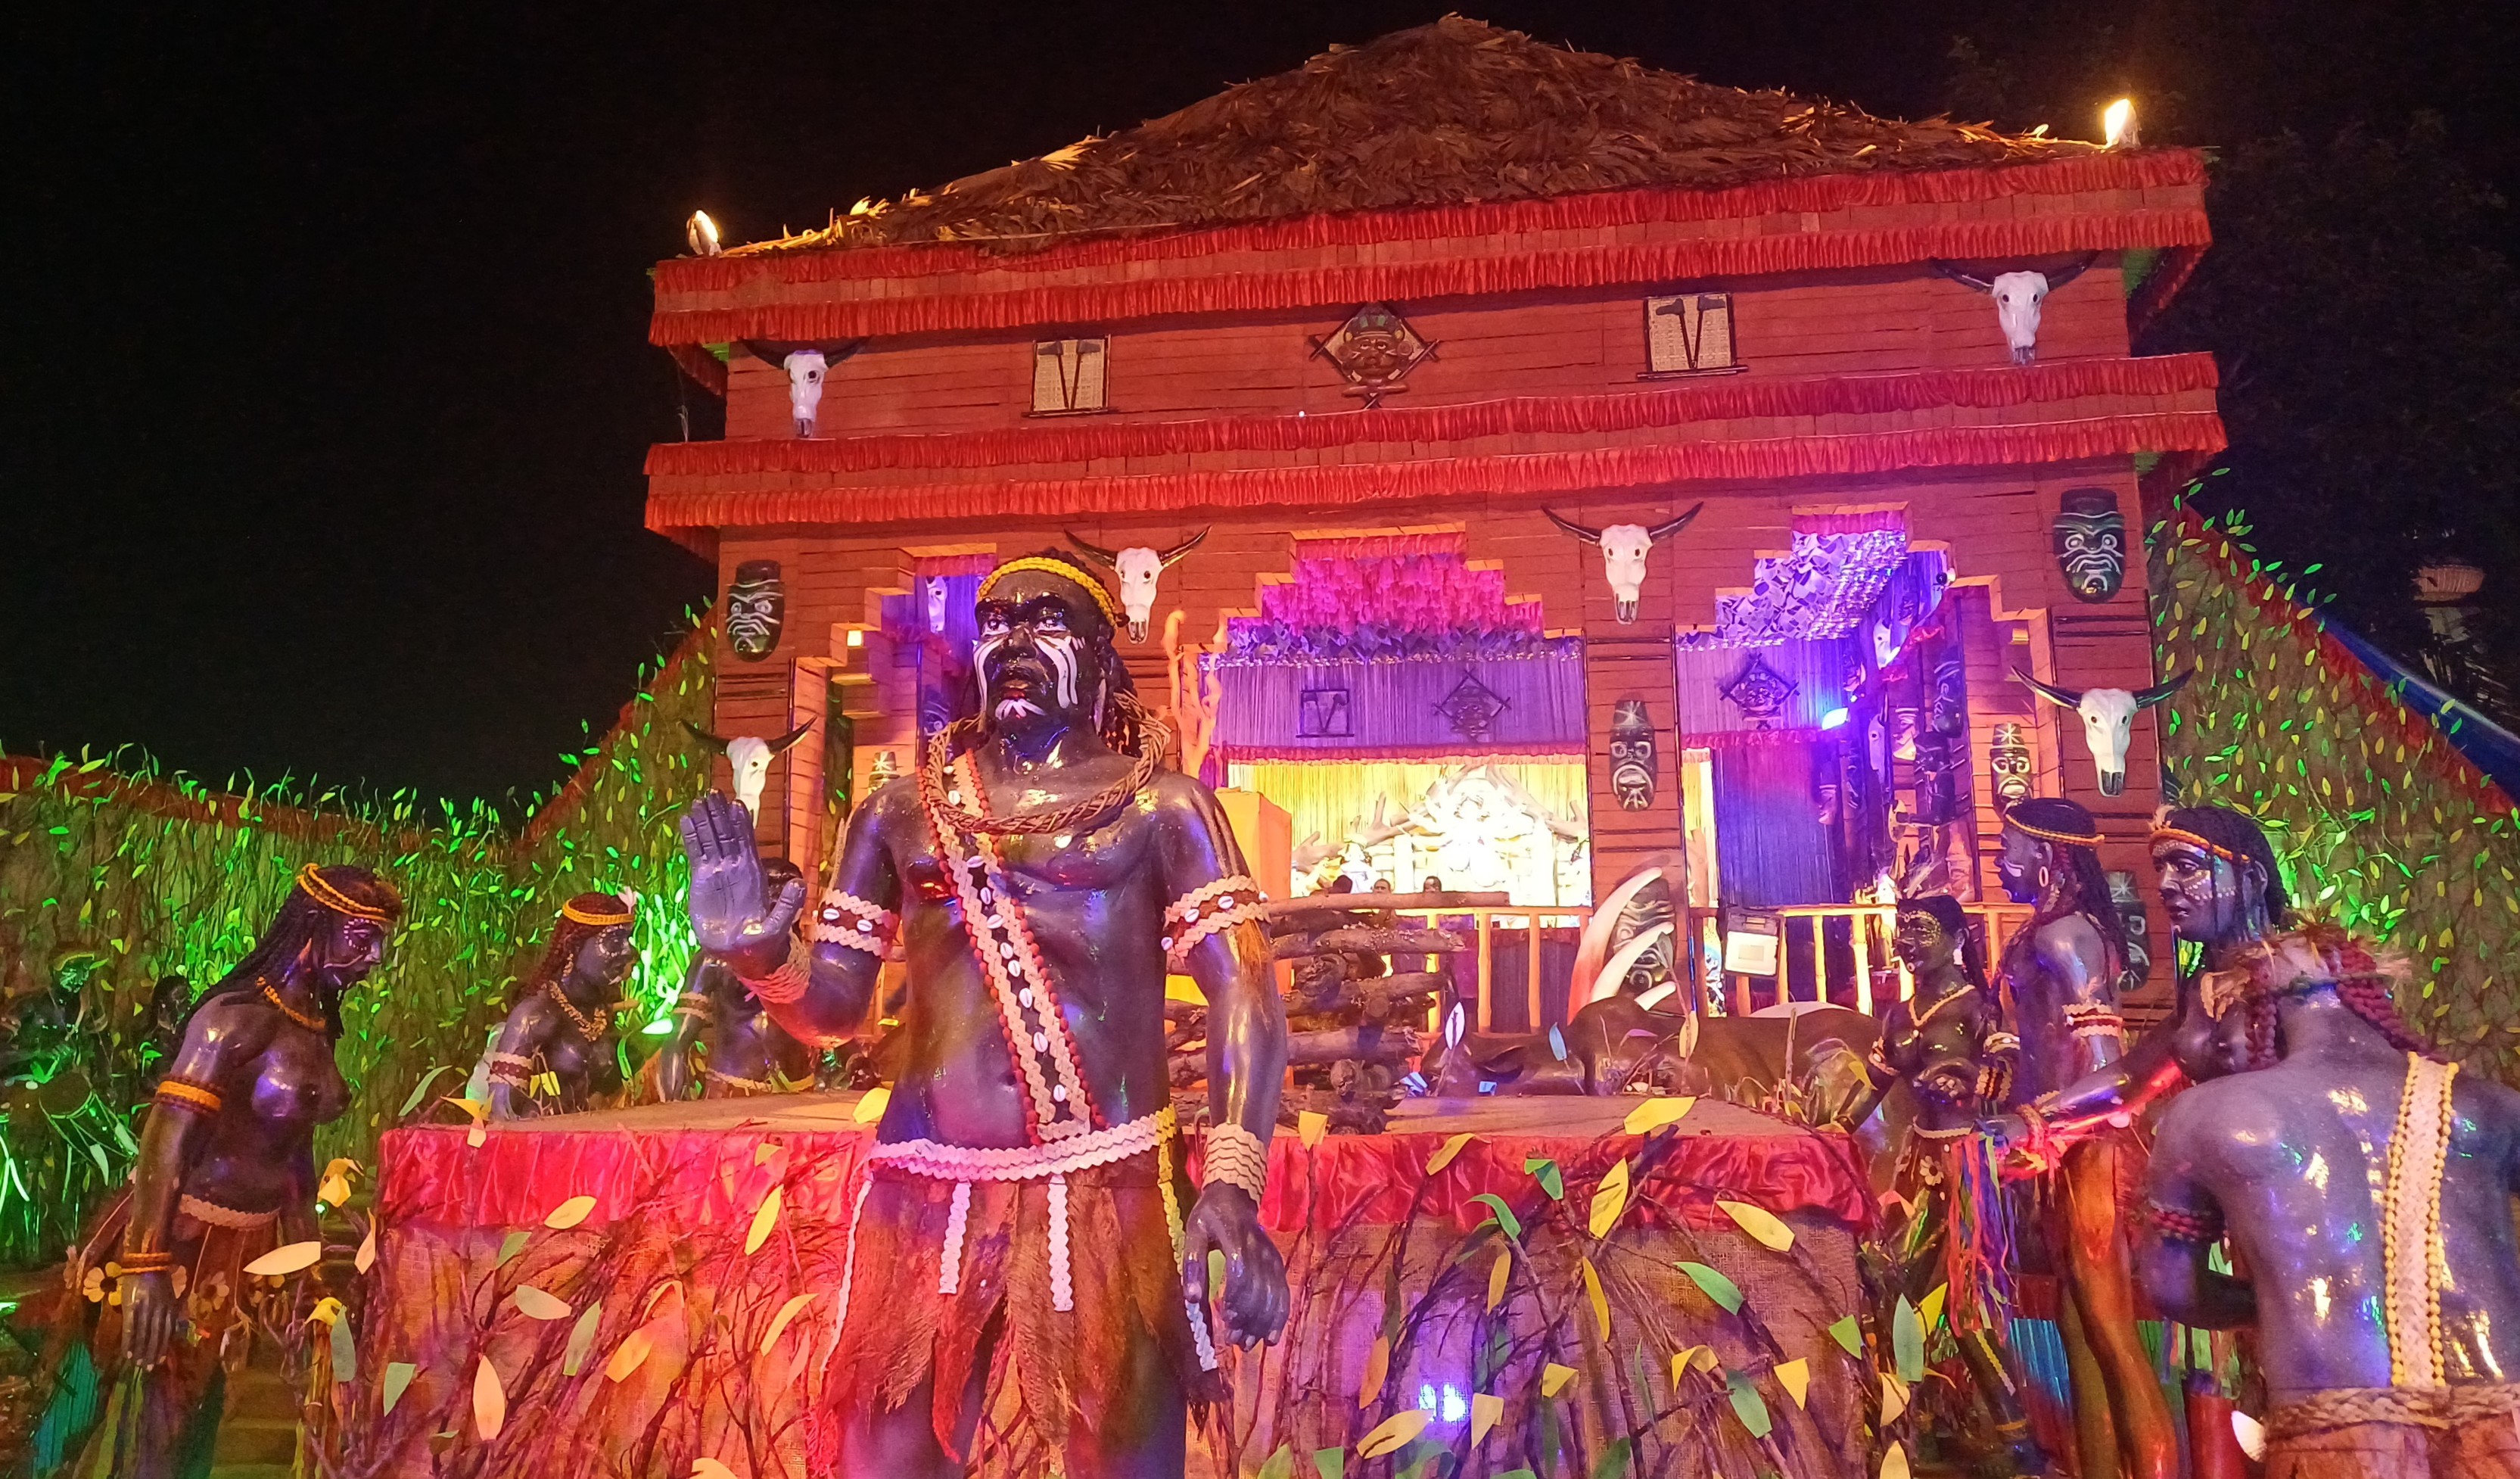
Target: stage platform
<point>701,1349</point>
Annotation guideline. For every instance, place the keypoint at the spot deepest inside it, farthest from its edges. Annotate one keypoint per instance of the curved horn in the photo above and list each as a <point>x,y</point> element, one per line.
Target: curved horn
<point>1109,559</point>
<point>1178,551</point>
<point>2063,698</point>
<point>2056,279</point>
<point>1662,531</point>
<point>1962,278</point>
<point>713,742</point>
<point>1588,536</point>
<point>2160,690</point>
<point>787,741</point>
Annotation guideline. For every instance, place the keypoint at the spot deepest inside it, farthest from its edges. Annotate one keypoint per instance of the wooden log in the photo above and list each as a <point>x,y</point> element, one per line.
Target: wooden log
<point>1405,942</point>
<point>1365,903</point>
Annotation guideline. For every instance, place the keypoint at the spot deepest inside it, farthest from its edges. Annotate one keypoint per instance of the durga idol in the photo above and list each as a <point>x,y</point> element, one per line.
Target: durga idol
<point>1026,1222</point>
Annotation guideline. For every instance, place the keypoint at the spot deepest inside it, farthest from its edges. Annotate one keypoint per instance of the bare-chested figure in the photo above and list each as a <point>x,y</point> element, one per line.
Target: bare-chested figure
<point>1041,870</point>
<point>2365,1189</point>
<point>723,1035</point>
<point>556,1051</point>
<point>2063,970</point>
<point>226,1170</point>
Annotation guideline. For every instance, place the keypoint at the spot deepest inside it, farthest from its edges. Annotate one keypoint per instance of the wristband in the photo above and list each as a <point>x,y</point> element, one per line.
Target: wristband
<point>1238,1157</point>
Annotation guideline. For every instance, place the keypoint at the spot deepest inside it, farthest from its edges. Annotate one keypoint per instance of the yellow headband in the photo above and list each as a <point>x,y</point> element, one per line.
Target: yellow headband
<point>2048,834</point>
<point>2161,835</point>
<point>1050,566</point>
<point>312,883</point>
<point>571,910</point>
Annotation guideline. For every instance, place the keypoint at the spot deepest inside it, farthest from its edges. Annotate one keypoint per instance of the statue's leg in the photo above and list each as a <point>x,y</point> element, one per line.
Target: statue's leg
<point>901,1443</point>
<point>1986,1354</point>
<point>2102,1287</point>
<point>1145,1426</point>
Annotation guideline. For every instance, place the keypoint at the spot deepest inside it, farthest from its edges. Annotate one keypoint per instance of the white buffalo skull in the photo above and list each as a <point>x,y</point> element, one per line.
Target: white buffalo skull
<point>1624,548</point>
<point>749,757</point>
<point>935,589</point>
<point>2109,720</point>
<point>2017,298</point>
<point>1139,567</point>
<point>805,371</point>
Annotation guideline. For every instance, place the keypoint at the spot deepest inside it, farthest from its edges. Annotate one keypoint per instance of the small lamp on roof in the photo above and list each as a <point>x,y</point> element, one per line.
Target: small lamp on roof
<point>2117,125</point>
<point>701,233</point>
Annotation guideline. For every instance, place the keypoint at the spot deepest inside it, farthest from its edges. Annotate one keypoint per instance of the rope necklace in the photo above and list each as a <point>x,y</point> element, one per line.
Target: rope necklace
<point>310,1023</point>
<point>932,783</point>
<point>590,1028</point>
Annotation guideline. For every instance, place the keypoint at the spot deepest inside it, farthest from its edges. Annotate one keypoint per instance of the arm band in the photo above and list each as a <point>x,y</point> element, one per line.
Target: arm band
<point>851,923</point>
<point>2181,1225</point>
<point>135,1261</point>
<point>176,1093</point>
<point>512,1070</point>
<point>1238,1157</point>
<point>1205,910</point>
<point>788,983</point>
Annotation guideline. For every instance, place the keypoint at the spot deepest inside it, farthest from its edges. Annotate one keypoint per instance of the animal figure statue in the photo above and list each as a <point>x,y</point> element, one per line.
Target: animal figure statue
<point>2018,296</point>
<point>748,758</point>
<point>1139,567</point>
<point>2109,720</point>
<point>1624,548</point>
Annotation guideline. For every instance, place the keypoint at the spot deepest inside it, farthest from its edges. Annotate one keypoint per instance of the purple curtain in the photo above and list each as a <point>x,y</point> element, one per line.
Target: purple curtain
<point>1357,710</point>
<point>1769,847</point>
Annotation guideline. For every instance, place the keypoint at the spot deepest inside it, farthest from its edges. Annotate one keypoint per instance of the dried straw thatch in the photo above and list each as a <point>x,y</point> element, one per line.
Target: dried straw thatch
<point>1450,113</point>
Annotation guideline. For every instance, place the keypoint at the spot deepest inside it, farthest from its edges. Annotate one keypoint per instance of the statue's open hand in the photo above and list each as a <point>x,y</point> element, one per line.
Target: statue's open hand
<point>1254,1305</point>
<point>728,915</point>
<point>149,1312</point>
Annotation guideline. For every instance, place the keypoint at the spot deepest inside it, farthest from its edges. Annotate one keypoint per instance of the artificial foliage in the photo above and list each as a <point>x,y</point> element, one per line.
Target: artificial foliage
<point>122,874</point>
<point>2381,824</point>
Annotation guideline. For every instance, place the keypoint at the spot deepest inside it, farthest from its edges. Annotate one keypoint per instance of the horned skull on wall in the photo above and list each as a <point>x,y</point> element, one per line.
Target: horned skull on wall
<point>2109,720</point>
<point>806,365</point>
<point>749,757</point>
<point>1624,548</point>
<point>1139,567</point>
<point>2017,296</point>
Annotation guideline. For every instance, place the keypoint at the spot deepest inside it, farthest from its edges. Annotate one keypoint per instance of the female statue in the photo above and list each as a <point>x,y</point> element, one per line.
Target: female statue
<point>1949,1043</point>
<point>557,1049</point>
<point>226,1174</point>
<point>741,1050</point>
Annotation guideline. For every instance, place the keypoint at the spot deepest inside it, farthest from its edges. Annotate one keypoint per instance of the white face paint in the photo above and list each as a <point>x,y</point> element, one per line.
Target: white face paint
<point>1139,568</point>
<point>1051,638</point>
<point>805,369</point>
<point>2108,725</point>
<point>1624,548</point>
<point>2017,296</point>
<point>749,759</point>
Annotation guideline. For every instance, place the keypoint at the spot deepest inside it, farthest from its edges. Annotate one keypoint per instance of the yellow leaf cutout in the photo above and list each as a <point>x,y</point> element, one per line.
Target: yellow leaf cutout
<point>472,1106</point>
<point>1930,1313</point>
<point>1697,1358</point>
<point>366,1258</point>
<point>1654,1113</point>
<point>710,1468</point>
<point>287,1260</point>
<point>1498,1273</point>
<point>570,1213</point>
<point>1609,1199</point>
<point>1452,1147</point>
<point>871,1107</point>
<point>1377,1367</point>
<point>762,1222</point>
<point>476,1136</point>
<point>540,1304</point>
<point>1795,1377</point>
<point>656,1296</point>
<point>1310,1127</point>
<point>490,1400</point>
<point>1894,1399</point>
<point>334,1192</point>
<point>1394,1434</point>
<point>629,1356</point>
<point>1761,1224</point>
<point>328,1309</point>
<point>787,1314</point>
<point>1592,1292</point>
<point>1485,1410</point>
<point>1554,1379</point>
<point>760,1152</point>
<point>1894,1464</point>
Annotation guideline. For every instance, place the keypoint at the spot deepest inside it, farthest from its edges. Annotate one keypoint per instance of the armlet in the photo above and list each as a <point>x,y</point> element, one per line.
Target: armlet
<point>843,918</point>
<point>1205,910</point>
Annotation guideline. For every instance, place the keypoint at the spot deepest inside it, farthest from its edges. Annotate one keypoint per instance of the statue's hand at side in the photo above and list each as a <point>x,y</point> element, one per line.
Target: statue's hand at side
<point>728,916</point>
<point>1254,1303</point>
<point>149,1312</point>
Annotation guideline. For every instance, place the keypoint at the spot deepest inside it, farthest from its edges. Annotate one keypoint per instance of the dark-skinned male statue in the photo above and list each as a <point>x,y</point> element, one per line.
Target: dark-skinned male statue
<point>2364,1186</point>
<point>1042,875</point>
<point>556,1051</point>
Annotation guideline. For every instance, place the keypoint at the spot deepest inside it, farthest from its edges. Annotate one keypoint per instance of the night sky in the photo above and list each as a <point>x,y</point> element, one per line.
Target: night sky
<point>325,376</point>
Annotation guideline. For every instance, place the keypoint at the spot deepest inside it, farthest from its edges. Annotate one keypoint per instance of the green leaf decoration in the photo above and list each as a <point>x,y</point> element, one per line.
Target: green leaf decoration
<point>1908,1342</point>
<point>581,1341</point>
<point>1848,1335</point>
<point>1613,1463</point>
<point>1281,1464</point>
<point>1552,1181</point>
<point>1714,1285</point>
<point>1749,1405</point>
<point>512,1246</point>
<point>1330,1463</point>
<point>419,1092</point>
<point>398,1375</point>
<point>346,1353</point>
<point>1505,1217</point>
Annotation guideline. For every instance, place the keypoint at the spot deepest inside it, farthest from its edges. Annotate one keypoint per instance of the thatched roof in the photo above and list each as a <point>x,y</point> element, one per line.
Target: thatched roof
<point>1450,113</point>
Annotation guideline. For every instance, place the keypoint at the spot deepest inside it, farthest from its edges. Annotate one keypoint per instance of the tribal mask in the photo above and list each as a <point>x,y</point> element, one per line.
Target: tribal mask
<point>2008,762</point>
<point>2091,544</point>
<point>756,606</point>
<point>1632,756</point>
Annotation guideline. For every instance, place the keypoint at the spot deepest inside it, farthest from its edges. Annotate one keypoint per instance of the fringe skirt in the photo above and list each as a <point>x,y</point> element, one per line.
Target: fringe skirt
<point>2460,1432</point>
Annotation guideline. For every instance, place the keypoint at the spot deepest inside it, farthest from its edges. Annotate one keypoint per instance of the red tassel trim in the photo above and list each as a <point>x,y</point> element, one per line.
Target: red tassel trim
<point>2168,275</point>
<point>1416,754</point>
<point>2151,169</point>
<point>1517,416</point>
<point>955,565</point>
<point>948,310</point>
<point>1354,485</point>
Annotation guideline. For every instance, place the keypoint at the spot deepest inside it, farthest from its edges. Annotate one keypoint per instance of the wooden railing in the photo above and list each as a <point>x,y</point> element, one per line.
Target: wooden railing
<point>1868,930</point>
<point>1491,919</point>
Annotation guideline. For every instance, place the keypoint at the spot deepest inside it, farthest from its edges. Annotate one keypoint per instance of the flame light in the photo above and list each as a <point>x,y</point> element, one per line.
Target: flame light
<point>2117,124</point>
<point>701,233</point>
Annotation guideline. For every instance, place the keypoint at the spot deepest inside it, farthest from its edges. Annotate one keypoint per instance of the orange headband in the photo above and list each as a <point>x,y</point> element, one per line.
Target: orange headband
<point>2161,835</point>
<point>571,910</point>
<point>2048,834</point>
<point>312,883</point>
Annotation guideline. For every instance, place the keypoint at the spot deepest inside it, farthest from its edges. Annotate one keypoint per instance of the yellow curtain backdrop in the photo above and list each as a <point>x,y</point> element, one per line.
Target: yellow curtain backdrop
<point>1330,798</point>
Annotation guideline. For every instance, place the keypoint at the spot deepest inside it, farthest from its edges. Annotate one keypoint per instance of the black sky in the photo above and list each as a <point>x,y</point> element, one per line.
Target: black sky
<point>324,379</point>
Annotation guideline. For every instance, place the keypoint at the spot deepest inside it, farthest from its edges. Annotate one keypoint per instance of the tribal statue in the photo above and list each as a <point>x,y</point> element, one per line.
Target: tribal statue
<point>226,1174</point>
<point>556,1051</point>
<point>2062,969</point>
<point>1948,1043</point>
<point>1026,1230</point>
<point>722,1033</point>
<point>2363,1189</point>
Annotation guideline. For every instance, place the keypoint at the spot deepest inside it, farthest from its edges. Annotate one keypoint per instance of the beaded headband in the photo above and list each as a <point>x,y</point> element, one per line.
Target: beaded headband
<point>603,921</point>
<point>1052,566</point>
<point>2161,835</point>
<point>312,883</point>
<point>2014,820</point>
